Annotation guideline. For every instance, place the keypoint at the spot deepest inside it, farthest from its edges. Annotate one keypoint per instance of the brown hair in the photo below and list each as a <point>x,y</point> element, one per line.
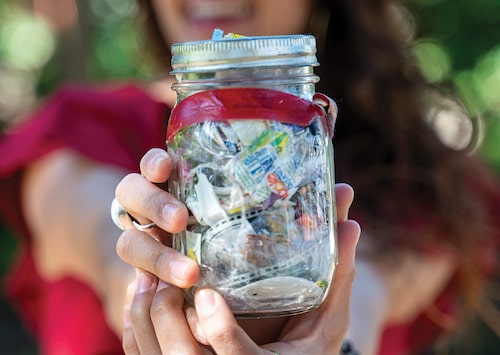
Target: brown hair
<point>412,191</point>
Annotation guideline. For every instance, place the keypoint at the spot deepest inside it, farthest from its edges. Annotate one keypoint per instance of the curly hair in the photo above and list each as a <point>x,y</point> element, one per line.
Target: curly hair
<point>412,191</point>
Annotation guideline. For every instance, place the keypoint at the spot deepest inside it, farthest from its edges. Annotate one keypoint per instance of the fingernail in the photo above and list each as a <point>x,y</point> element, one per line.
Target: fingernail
<point>168,213</point>
<point>145,282</point>
<point>205,302</point>
<point>153,163</point>
<point>180,269</point>
<point>162,285</point>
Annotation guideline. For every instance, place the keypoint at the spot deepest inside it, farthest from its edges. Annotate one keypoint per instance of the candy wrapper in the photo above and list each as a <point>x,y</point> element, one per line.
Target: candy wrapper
<point>254,166</point>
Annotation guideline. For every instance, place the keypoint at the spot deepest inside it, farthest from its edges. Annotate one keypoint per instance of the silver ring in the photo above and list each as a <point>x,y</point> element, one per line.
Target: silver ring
<point>123,220</point>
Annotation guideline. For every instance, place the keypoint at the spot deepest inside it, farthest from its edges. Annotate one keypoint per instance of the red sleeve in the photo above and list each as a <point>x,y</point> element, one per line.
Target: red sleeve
<point>111,126</point>
<point>443,315</point>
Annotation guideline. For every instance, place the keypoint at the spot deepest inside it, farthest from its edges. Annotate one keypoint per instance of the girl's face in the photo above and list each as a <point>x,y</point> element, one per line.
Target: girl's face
<point>190,20</point>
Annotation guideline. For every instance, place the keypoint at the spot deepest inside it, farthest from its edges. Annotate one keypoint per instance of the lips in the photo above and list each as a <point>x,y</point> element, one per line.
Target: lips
<point>215,10</point>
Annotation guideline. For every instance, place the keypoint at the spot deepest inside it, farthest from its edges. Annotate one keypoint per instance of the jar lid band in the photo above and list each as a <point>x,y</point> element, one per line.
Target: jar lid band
<point>244,52</point>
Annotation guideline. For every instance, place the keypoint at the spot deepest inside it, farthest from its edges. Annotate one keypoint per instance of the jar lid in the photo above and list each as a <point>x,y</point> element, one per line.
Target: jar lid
<point>244,52</point>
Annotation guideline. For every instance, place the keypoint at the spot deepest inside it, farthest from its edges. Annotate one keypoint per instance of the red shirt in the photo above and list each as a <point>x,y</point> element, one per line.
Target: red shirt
<point>113,126</point>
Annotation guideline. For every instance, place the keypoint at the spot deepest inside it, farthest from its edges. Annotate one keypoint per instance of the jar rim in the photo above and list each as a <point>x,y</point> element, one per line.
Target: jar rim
<point>244,52</point>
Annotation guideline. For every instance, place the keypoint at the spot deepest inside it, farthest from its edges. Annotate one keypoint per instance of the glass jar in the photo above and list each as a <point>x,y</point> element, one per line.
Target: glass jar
<point>254,165</point>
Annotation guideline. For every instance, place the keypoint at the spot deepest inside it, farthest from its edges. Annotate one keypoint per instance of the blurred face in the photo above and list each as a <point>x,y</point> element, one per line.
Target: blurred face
<point>189,20</point>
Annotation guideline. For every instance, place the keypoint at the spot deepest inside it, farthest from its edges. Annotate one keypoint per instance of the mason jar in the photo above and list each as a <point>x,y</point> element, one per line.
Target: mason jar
<point>252,146</point>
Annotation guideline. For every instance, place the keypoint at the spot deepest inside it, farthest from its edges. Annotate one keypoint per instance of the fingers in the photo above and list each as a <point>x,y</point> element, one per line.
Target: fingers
<point>344,195</point>
<point>219,326</point>
<point>139,334</point>
<point>335,313</point>
<point>146,253</point>
<point>157,323</point>
<point>148,202</point>
<point>129,344</point>
<point>156,165</point>
<point>348,235</point>
<point>170,322</point>
<point>144,200</point>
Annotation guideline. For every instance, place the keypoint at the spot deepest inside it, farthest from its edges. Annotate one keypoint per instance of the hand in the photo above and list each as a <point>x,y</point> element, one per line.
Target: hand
<point>66,207</point>
<point>158,320</point>
<point>144,198</point>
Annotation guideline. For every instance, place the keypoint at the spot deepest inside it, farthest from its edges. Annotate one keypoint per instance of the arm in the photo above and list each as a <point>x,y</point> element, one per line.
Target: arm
<point>399,287</point>
<point>66,201</point>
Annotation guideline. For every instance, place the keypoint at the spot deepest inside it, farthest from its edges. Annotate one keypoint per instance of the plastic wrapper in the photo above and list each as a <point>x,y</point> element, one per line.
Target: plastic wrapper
<point>260,191</point>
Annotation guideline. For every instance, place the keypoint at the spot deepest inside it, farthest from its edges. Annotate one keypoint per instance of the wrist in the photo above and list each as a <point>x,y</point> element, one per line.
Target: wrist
<point>115,281</point>
<point>368,314</point>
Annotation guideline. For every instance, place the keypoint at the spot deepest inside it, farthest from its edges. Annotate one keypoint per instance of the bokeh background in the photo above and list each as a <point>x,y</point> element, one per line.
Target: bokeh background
<point>48,43</point>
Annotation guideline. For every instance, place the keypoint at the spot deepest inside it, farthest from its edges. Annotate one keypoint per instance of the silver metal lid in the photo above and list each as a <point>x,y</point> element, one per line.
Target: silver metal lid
<point>244,52</point>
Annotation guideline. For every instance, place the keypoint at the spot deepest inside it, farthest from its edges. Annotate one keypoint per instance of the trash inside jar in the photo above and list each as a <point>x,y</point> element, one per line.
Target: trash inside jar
<point>255,169</point>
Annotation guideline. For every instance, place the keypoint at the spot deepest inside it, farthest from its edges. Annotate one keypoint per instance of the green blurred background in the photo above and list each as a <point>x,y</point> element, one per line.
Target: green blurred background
<point>44,43</point>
